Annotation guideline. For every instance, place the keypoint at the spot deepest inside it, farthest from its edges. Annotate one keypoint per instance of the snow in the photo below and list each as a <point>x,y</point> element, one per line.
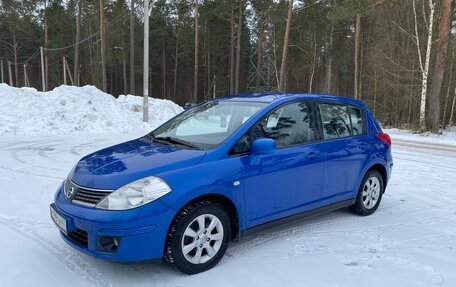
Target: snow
<point>448,137</point>
<point>68,109</point>
<point>409,241</point>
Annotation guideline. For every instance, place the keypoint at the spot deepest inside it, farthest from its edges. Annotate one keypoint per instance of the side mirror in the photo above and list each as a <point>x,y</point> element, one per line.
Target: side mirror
<point>263,146</point>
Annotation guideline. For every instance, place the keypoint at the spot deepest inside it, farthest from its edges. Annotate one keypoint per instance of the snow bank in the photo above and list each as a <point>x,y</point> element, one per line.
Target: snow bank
<point>448,137</point>
<point>68,109</point>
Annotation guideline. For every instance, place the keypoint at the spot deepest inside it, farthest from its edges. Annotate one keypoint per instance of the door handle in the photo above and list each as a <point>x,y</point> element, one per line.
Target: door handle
<point>312,156</point>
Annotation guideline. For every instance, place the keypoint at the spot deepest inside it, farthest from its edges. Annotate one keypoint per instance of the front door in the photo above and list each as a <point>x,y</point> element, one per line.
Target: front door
<point>288,181</point>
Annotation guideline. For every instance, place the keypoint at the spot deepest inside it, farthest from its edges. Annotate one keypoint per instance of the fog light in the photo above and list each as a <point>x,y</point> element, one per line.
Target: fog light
<point>108,243</point>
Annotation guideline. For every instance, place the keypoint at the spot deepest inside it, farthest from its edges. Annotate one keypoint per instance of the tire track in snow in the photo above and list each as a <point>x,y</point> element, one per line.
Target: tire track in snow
<point>71,260</point>
<point>254,242</point>
<point>31,173</point>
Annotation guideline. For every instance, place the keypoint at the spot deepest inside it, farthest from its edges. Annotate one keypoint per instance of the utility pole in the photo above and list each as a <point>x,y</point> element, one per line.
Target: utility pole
<point>64,71</point>
<point>43,77</point>
<point>146,63</point>
<point>2,73</point>
<point>103,46</point>
<point>46,42</point>
<point>10,73</point>
<point>76,48</point>
<point>26,81</point>
<point>132,47</point>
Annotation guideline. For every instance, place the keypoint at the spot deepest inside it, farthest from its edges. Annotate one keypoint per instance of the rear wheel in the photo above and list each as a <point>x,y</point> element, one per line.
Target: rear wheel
<point>198,238</point>
<point>370,194</point>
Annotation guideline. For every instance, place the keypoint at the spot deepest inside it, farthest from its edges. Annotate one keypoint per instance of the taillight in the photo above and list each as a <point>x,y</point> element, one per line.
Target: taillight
<point>385,138</point>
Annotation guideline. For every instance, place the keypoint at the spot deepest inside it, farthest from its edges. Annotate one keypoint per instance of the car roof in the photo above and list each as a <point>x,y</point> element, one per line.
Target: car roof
<point>273,97</point>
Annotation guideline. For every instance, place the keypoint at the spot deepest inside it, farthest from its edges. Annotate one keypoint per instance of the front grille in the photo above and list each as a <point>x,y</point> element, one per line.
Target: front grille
<point>92,197</point>
<point>84,196</point>
<point>79,236</point>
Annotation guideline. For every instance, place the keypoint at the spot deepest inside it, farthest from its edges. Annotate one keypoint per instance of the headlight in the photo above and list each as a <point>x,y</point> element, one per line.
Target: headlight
<point>135,194</point>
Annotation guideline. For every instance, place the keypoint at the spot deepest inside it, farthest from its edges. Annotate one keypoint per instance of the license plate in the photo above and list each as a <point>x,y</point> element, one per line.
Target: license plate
<point>59,220</point>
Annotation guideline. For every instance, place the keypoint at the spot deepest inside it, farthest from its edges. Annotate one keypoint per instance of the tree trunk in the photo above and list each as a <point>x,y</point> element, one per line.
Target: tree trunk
<point>103,46</point>
<point>314,61</point>
<point>176,63</point>
<point>260,52</point>
<point>232,50</point>
<point>76,47</point>
<point>452,108</point>
<point>357,54</point>
<point>195,71</point>
<point>163,73</point>
<point>439,70</point>
<point>329,63</point>
<point>132,47</point>
<point>424,66</point>
<point>447,97</point>
<point>238,47</point>
<point>16,71</point>
<point>2,72</point>
<point>283,66</point>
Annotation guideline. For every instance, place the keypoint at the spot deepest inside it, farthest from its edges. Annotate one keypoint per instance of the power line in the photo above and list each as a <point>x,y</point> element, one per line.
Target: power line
<point>28,60</point>
<point>113,22</point>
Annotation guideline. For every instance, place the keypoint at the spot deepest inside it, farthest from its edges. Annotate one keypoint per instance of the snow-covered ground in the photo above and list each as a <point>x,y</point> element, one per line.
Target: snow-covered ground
<point>448,137</point>
<point>409,241</point>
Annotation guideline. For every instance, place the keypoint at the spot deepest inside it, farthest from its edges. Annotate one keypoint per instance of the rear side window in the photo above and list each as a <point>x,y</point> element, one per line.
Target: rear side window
<point>335,121</point>
<point>357,120</point>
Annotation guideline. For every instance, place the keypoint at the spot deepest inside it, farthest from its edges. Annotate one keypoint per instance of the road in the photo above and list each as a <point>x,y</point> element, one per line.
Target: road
<point>409,241</point>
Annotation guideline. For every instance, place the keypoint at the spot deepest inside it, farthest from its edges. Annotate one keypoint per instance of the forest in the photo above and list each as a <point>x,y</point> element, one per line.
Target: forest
<point>395,55</point>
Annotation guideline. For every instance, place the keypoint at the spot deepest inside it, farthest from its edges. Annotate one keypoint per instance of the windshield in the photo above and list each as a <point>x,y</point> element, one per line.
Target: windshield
<point>209,124</point>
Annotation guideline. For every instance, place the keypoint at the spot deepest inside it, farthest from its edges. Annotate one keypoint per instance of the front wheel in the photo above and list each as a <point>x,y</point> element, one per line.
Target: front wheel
<point>370,194</point>
<point>198,238</point>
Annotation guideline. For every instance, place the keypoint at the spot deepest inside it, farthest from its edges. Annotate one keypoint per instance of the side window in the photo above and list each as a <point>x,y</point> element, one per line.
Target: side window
<point>357,120</point>
<point>288,125</point>
<point>335,120</point>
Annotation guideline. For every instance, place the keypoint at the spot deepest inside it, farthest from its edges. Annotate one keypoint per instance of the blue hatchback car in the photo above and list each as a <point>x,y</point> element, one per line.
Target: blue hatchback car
<point>220,169</point>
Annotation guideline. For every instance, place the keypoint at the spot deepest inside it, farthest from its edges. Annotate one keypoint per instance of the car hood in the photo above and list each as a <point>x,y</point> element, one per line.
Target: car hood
<point>115,166</point>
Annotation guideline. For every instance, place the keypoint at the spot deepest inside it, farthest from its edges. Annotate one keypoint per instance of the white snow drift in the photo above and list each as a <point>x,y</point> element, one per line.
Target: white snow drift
<point>67,109</point>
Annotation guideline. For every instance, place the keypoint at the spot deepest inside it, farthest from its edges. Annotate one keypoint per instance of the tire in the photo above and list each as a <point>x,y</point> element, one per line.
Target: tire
<point>199,249</point>
<point>370,194</point>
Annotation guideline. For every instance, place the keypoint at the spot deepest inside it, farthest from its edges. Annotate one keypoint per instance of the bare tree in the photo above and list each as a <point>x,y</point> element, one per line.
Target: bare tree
<point>424,65</point>
<point>285,49</point>
<point>442,48</point>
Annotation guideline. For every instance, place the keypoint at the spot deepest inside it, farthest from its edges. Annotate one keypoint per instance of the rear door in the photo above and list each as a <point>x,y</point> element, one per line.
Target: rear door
<point>345,146</point>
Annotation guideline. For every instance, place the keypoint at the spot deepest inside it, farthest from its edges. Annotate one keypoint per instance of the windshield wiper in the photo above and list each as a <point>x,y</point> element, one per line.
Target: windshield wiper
<point>176,141</point>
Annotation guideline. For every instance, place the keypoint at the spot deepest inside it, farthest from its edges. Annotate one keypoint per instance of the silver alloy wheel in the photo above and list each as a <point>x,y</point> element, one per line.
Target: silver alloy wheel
<point>202,239</point>
<point>371,192</point>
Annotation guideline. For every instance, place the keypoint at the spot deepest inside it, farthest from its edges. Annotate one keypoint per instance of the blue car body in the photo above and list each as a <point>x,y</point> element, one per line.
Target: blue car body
<point>291,181</point>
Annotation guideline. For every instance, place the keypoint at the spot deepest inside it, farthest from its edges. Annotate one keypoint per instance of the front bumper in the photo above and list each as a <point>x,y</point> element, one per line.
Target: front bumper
<point>142,231</point>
